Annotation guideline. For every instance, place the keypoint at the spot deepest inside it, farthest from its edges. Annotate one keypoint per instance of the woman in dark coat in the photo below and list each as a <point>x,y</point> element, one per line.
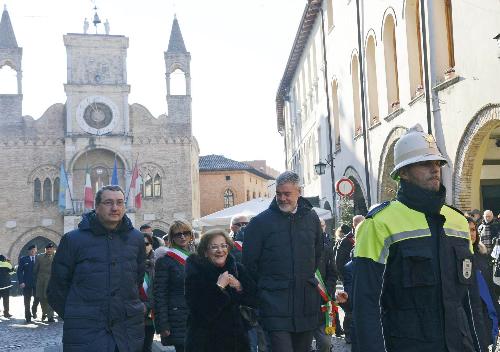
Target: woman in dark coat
<point>216,286</point>
<point>482,263</point>
<point>146,293</point>
<point>170,307</point>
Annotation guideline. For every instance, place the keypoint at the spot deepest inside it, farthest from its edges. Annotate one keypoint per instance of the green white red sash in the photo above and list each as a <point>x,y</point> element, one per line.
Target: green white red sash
<point>178,255</point>
<point>330,308</point>
<point>238,245</point>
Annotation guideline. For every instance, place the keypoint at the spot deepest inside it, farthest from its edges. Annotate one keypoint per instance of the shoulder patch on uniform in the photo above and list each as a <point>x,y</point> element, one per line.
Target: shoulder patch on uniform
<point>456,209</point>
<point>377,208</point>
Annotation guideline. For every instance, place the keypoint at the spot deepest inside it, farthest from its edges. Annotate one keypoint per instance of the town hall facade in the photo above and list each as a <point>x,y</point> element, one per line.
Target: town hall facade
<point>92,131</point>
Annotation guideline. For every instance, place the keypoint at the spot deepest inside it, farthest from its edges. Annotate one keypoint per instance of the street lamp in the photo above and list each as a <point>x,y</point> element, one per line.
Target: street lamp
<point>320,167</point>
<point>497,38</point>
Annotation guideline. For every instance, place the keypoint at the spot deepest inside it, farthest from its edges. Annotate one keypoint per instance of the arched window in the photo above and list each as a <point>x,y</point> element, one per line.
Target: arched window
<point>391,65</point>
<point>329,13</point>
<point>8,80</point>
<point>372,80</point>
<point>55,190</point>
<point>443,35</point>
<point>47,190</point>
<point>178,82</point>
<point>228,198</point>
<point>336,113</point>
<point>356,98</point>
<point>99,177</point>
<point>148,186</point>
<point>157,186</point>
<point>37,190</point>
<point>414,44</point>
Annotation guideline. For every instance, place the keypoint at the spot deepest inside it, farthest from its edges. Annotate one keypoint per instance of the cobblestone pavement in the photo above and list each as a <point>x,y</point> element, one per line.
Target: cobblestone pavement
<point>40,336</point>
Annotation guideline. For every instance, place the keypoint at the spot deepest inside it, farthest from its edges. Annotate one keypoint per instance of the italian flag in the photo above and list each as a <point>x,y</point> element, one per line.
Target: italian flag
<point>178,255</point>
<point>238,245</point>
<point>135,188</point>
<point>88,202</point>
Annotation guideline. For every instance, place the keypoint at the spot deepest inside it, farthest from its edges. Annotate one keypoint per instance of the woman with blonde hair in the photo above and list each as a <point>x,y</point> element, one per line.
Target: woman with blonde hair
<point>170,309</point>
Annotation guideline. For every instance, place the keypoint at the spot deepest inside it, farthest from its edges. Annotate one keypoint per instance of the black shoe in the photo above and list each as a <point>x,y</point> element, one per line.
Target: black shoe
<point>348,340</point>
<point>34,315</point>
<point>51,320</point>
<point>7,315</point>
<point>28,321</point>
<point>44,316</point>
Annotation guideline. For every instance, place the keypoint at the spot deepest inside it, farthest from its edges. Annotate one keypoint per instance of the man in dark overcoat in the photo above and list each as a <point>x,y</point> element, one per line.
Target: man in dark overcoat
<point>27,282</point>
<point>282,250</point>
<point>95,280</point>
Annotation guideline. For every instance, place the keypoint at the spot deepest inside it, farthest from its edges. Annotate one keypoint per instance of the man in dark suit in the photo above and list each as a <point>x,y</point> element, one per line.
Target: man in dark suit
<point>27,282</point>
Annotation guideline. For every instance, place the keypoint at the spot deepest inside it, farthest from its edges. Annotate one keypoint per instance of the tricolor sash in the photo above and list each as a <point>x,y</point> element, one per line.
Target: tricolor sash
<point>238,245</point>
<point>178,255</point>
<point>330,308</point>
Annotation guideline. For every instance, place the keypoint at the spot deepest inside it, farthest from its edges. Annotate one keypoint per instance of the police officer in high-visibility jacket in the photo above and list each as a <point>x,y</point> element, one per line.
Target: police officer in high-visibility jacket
<point>414,283</point>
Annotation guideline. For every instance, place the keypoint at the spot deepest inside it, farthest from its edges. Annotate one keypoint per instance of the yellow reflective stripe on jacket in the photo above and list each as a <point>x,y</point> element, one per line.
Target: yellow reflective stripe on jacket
<point>397,223</point>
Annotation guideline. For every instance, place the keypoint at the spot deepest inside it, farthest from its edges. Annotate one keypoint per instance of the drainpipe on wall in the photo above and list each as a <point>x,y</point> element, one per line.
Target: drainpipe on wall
<point>363,107</point>
<point>328,118</point>
<point>423,28</point>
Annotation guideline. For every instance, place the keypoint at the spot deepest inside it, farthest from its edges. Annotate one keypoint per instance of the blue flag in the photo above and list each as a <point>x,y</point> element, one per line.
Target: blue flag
<point>114,177</point>
<point>63,185</point>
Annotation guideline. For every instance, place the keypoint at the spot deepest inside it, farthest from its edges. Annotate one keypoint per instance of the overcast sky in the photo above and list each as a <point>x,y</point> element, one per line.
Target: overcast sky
<point>239,49</point>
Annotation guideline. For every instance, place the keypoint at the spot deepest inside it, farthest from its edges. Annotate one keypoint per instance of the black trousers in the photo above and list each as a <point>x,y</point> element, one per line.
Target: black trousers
<point>148,338</point>
<point>4,295</point>
<point>28,292</point>
<point>286,341</point>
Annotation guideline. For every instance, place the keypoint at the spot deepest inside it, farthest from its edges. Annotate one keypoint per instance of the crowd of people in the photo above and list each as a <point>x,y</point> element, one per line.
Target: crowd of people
<point>417,275</point>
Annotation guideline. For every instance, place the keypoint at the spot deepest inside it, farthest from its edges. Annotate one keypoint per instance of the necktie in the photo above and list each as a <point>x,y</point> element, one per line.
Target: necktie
<point>33,260</point>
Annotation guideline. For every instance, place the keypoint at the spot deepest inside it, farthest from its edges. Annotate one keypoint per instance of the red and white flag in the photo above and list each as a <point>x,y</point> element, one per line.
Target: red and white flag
<point>135,188</point>
<point>88,202</point>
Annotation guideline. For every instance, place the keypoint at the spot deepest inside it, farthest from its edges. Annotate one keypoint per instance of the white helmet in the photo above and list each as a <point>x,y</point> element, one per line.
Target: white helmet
<point>413,147</point>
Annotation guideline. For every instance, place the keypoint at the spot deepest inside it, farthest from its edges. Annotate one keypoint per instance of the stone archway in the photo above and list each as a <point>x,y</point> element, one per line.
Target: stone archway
<point>159,226</point>
<point>18,245</point>
<point>386,186</point>
<point>468,158</point>
<point>359,196</point>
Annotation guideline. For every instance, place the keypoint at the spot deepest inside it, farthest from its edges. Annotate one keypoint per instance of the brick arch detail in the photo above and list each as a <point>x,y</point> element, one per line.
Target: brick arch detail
<point>17,246</point>
<point>386,162</point>
<point>487,118</point>
<point>160,225</point>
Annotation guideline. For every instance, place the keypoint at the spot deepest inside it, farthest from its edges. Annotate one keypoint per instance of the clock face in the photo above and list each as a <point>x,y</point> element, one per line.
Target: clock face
<point>97,115</point>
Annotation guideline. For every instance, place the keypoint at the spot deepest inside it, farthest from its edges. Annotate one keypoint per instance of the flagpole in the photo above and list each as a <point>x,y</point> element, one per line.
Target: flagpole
<point>69,189</point>
<point>130,185</point>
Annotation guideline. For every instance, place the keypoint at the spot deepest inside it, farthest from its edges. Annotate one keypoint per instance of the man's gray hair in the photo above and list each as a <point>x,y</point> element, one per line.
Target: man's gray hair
<point>288,177</point>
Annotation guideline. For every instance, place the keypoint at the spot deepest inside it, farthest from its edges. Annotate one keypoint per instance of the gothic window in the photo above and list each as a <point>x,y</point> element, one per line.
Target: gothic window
<point>55,190</point>
<point>148,186</point>
<point>372,81</point>
<point>47,190</point>
<point>178,82</point>
<point>228,198</point>
<point>37,188</point>
<point>391,64</point>
<point>157,186</point>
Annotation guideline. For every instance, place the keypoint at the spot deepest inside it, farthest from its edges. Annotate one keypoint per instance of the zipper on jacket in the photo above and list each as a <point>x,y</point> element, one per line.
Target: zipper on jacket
<point>473,323</point>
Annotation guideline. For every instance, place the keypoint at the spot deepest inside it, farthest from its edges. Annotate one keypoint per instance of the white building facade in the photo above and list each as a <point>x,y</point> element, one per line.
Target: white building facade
<point>362,82</point>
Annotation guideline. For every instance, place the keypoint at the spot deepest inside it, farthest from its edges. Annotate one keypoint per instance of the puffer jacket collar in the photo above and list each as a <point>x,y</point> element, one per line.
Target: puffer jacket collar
<point>91,223</point>
<point>303,206</point>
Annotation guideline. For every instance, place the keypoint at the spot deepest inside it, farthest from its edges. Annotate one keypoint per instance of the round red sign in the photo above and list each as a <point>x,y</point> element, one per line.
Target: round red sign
<point>344,187</point>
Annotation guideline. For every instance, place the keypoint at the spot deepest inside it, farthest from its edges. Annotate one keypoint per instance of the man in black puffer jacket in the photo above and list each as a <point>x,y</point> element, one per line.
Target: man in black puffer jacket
<point>282,250</point>
<point>95,278</point>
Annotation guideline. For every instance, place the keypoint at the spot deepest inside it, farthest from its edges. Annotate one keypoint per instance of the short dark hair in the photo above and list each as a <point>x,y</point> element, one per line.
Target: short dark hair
<point>114,188</point>
<point>144,227</point>
<point>208,237</point>
<point>148,237</point>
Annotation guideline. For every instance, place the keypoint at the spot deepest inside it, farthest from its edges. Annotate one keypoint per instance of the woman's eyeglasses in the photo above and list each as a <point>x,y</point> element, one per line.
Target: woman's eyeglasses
<point>215,248</point>
<point>180,234</point>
